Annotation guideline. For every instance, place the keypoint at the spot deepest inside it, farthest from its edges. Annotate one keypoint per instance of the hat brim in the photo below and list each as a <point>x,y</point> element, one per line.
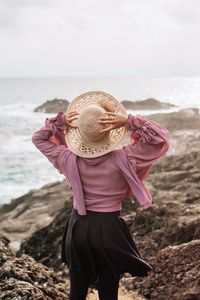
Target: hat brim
<point>86,149</point>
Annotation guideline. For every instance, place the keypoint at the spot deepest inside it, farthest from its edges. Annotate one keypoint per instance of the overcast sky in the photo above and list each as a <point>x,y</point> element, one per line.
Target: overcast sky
<point>105,37</point>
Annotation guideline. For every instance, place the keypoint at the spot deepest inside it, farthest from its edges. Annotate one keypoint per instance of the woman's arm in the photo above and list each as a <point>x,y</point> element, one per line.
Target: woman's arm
<point>50,139</point>
<point>149,142</point>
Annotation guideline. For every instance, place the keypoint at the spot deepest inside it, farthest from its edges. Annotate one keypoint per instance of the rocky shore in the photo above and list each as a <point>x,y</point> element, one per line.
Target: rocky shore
<point>148,104</point>
<point>23,278</point>
<point>56,105</point>
<point>167,234</point>
<point>53,106</point>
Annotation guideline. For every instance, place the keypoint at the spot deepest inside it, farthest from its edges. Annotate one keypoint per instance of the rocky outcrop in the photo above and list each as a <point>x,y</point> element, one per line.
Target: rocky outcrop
<point>148,104</point>
<point>174,217</point>
<point>23,216</point>
<point>172,221</point>
<point>184,141</point>
<point>168,233</point>
<point>185,119</point>
<point>56,105</point>
<point>53,106</point>
<point>5,251</point>
<point>175,274</point>
<point>183,124</point>
<point>49,237</point>
<point>24,278</point>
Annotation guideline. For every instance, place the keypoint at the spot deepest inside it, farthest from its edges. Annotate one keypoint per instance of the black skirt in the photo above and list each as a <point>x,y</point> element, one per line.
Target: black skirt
<point>101,240</point>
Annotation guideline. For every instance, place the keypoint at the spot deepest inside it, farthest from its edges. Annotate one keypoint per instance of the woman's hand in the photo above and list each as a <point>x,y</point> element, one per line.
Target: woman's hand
<point>107,105</point>
<point>112,119</point>
<point>69,117</point>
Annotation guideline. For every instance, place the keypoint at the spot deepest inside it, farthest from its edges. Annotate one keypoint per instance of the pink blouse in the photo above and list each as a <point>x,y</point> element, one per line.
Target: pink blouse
<point>104,186</point>
<point>100,184</point>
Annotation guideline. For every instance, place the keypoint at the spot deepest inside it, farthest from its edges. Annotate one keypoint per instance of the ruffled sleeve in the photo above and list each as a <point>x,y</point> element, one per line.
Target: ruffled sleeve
<point>51,142</point>
<point>149,142</point>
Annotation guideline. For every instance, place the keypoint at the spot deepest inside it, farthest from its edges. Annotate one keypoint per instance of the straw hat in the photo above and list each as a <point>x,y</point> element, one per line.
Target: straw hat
<point>87,141</point>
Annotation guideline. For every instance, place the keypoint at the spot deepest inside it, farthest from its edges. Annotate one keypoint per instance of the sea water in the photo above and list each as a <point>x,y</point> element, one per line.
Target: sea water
<point>22,166</point>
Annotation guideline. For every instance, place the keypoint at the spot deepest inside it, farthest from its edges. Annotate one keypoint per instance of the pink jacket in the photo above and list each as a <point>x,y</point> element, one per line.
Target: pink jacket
<point>149,142</point>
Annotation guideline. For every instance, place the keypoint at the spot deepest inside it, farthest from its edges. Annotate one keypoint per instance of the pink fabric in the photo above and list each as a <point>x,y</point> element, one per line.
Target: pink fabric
<point>101,183</point>
<point>104,185</point>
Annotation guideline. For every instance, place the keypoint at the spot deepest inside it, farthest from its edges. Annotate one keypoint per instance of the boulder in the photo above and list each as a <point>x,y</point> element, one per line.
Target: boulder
<point>185,119</point>
<point>24,278</point>
<point>148,104</point>
<point>24,215</point>
<point>175,274</point>
<point>174,216</point>
<point>49,237</point>
<point>53,106</point>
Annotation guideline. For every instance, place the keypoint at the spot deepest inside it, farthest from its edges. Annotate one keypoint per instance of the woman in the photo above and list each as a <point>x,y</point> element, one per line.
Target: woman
<point>82,144</point>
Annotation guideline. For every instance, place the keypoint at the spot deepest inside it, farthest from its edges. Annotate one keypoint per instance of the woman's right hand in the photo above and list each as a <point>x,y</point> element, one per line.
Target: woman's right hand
<point>71,116</point>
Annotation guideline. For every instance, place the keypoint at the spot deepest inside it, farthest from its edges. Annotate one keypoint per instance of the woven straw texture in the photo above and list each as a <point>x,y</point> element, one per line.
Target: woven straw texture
<point>86,140</point>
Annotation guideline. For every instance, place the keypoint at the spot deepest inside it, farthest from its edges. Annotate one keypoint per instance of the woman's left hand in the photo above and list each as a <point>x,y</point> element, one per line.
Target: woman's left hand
<point>112,107</point>
<point>112,119</point>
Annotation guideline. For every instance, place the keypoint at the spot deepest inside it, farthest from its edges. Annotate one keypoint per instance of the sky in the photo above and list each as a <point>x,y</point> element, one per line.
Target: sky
<point>140,38</point>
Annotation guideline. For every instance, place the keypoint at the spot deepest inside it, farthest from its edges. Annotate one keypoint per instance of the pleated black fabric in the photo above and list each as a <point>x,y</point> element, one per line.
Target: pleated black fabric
<point>101,240</point>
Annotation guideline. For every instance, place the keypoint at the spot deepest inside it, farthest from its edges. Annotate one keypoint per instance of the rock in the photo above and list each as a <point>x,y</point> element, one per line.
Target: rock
<point>160,227</point>
<point>53,106</point>
<point>174,217</point>
<point>183,162</point>
<point>175,274</point>
<point>34,210</point>
<point>148,104</point>
<point>5,251</point>
<point>180,120</point>
<point>56,105</point>
<point>24,278</point>
<point>184,141</point>
<point>49,237</point>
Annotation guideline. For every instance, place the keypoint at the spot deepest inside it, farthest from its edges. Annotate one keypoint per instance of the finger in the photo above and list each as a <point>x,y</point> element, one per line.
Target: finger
<point>106,129</point>
<point>110,113</point>
<point>106,122</point>
<point>72,118</point>
<point>106,118</point>
<point>72,113</point>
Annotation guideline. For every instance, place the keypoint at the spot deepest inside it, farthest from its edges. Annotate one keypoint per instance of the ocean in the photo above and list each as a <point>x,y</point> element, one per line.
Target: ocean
<point>23,167</point>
